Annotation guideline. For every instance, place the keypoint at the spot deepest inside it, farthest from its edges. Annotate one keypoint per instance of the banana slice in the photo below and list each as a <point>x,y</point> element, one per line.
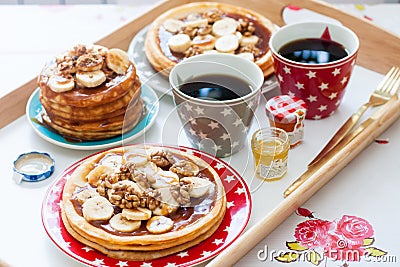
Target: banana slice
<point>97,208</point>
<point>61,84</point>
<point>89,62</point>
<point>91,79</point>
<point>165,179</point>
<point>224,27</point>
<point>102,50</point>
<point>179,43</point>
<point>112,160</point>
<point>205,42</point>
<point>193,16</point>
<point>93,176</point>
<point>249,40</point>
<point>120,223</point>
<point>86,194</point>
<point>138,160</point>
<point>173,25</point>
<point>150,169</point>
<point>168,202</point>
<point>159,224</point>
<point>139,214</point>
<point>199,186</point>
<point>239,36</point>
<point>196,23</point>
<point>227,43</point>
<point>117,60</point>
<point>246,55</point>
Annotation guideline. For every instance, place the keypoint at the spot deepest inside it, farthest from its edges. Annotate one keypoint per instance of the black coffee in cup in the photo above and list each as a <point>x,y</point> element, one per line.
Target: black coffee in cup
<point>216,87</point>
<point>313,50</point>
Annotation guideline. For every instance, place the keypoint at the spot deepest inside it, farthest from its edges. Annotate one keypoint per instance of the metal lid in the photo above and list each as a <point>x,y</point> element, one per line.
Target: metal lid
<point>34,166</point>
<point>286,109</point>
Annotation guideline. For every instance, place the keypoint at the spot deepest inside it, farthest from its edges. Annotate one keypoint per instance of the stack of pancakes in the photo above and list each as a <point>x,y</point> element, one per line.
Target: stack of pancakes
<point>90,93</point>
<point>165,223</point>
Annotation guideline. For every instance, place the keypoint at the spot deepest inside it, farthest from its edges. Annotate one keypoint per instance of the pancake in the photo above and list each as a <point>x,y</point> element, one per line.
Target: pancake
<point>110,109</point>
<point>140,255</point>
<point>185,191</point>
<point>208,27</point>
<point>103,125</point>
<point>88,91</point>
<point>97,131</point>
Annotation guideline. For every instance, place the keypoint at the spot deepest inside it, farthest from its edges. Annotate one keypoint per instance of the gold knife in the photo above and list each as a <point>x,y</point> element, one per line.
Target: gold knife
<point>339,135</point>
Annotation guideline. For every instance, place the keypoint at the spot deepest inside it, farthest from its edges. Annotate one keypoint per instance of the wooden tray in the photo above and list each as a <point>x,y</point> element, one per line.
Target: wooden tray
<point>371,37</point>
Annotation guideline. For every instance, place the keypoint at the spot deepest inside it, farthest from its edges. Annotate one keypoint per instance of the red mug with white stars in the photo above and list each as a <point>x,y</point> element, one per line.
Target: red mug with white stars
<point>313,73</point>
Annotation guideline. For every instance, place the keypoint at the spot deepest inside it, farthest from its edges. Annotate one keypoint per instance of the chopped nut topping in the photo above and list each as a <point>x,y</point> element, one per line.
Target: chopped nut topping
<point>181,193</point>
<point>77,50</point>
<point>185,168</point>
<point>204,30</point>
<point>213,15</point>
<point>246,27</point>
<point>67,67</point>
<point>151,199</point>
<point>250,49</point>
<point>192,32</point>
<point>193,50</point>
<point>124,196</point>
<point>106,181</point>
<point>162,158</point>
<point>89,60</point>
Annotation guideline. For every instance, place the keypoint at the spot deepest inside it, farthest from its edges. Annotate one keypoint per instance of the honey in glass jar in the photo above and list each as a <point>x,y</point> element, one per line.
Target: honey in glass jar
<point>270,147</point>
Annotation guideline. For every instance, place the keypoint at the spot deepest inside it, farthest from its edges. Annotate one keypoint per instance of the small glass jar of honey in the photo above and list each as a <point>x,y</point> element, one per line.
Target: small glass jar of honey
<point>270,147</point>
<point>287,113</point>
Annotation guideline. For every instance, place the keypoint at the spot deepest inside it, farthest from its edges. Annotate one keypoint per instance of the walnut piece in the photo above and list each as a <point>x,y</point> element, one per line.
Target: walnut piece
<point>162,158</point>
<point>151,199</point>
<point>106,181</point>
<point>124,195</point>
<point>250,49</point>
<point>193,50</point>
<point>204,30</point>
<point>246,27</point>
<point>213,15</point>
<point>140,178</point>
<point>180,192</point>
<point>185,168</point>
<point>192,32</point>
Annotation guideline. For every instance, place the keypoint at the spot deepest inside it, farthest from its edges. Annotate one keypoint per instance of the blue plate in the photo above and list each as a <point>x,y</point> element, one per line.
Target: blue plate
<point>34,109</point>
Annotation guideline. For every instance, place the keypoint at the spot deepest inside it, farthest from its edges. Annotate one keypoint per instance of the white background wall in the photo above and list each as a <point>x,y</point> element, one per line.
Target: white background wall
<point>49,2</point>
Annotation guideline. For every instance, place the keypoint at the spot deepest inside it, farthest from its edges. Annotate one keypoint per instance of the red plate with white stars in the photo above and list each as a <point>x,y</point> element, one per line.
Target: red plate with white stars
<point>236,218</point>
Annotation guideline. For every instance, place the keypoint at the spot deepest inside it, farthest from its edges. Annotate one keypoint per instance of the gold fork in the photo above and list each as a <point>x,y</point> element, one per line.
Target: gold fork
<point>387,88</point>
